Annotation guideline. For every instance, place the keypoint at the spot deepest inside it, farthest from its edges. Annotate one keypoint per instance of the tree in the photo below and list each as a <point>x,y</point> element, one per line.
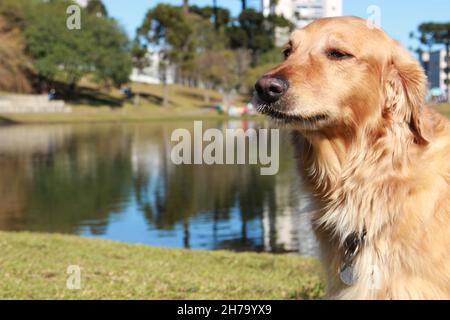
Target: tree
<point>141,61</point>
<point>223,69</point>
<point>221,17</point>
<point>244,5</point>
<point>216,14</point>
<point>186,6</point>
<point>272,6</point>
<point>255,32</point>
<point>167,28</point>
<point>432,34</point>
<point>96,7</point>
<point>110,53</point>
<point>100,48</point>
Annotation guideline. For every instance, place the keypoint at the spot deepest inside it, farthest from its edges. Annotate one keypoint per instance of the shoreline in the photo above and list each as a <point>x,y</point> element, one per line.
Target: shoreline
<point>130,115</point>
<point>110,116</point>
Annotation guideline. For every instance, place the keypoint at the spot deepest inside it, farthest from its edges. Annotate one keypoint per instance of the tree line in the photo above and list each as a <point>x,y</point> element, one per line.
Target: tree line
<point>204,46</point>
<point>207,46</point>
<point>47,53</point>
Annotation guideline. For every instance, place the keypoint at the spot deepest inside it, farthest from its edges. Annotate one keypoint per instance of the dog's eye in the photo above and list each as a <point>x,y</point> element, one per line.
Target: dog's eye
<point>287,50</point>
<point>335,54</point>
<point>286,53</point>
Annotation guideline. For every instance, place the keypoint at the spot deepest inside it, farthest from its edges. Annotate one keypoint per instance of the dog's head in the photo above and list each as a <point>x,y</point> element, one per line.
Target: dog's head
<point>344,74</point>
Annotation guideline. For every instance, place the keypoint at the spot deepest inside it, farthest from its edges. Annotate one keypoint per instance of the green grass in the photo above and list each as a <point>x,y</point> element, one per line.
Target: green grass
<point>34,266</point>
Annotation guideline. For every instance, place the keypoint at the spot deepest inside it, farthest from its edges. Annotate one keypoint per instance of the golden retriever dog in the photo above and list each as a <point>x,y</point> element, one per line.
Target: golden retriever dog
<point>377,160</point>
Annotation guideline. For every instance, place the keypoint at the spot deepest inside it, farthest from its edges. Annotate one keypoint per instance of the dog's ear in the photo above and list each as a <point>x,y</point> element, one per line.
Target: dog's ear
<point>405,92</point>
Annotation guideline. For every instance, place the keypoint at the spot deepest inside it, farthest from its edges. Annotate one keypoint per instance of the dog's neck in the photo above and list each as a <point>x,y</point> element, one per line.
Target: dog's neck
<point>350,177</point>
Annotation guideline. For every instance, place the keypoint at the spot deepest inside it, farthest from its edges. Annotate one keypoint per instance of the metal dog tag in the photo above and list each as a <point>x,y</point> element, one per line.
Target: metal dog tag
<point>347,275</point>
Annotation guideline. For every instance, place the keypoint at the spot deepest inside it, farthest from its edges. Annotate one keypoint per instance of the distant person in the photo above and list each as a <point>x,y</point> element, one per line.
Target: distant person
<point>220,109</point>
<point>52,94</point>
<point>249,109</point>
<point>127,92</point>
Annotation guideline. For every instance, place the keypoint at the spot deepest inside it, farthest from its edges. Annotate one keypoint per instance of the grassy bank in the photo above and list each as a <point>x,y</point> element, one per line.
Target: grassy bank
<point>34,266</point>
<point>107,115</point>
<point>94,105</point>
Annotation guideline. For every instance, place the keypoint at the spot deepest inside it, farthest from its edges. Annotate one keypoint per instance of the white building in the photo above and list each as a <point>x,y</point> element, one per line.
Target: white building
<point>154,72</point>
<point>436,69</point>
<point>303,12</point>
<point>300,13</point>
<point>82,3</point>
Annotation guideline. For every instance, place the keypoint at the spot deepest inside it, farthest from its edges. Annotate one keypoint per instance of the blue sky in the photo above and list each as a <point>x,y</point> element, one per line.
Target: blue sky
<point>398,17</point>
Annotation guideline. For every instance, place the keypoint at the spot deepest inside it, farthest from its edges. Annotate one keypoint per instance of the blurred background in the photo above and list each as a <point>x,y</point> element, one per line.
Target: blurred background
<point>86,115</point>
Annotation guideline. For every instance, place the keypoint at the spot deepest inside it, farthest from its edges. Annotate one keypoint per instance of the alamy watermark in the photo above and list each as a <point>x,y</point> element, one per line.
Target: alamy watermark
<point>213,146</point>
<point>73,21</point>
<point>374,17</point>
<point>73,281</point>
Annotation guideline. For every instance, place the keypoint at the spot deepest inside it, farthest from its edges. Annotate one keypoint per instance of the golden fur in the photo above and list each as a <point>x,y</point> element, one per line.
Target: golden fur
<point>375,157</point>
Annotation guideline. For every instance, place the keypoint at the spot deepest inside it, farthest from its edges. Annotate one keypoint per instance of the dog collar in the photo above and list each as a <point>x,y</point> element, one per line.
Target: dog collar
<point>352,247</point>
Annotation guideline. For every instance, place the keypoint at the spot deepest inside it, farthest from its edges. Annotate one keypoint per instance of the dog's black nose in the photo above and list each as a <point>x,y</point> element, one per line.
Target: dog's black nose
<point>271,89</point>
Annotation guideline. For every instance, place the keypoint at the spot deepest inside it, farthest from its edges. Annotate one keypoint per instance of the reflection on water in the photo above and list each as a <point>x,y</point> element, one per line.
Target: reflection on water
<point>118,182</point>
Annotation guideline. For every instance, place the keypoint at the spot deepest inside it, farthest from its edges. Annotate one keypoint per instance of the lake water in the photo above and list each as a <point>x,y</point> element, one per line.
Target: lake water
<point>117,181</point>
